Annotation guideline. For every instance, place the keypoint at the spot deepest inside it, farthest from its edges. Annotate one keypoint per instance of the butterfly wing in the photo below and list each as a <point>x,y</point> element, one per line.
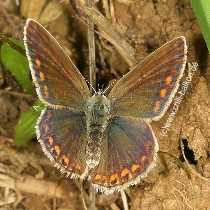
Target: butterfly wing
<point>129,153</point>
<point>58,82</point>
<point>62,135</point>
<point>147,90</point>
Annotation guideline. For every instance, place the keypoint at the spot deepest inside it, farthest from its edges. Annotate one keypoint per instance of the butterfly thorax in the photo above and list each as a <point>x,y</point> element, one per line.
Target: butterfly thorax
<point>97,114</point>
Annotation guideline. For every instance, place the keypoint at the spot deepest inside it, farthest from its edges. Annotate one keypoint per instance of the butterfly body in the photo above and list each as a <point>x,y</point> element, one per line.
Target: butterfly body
<point>97,115</point>
<point>98,111</point>
<point>107,138</point>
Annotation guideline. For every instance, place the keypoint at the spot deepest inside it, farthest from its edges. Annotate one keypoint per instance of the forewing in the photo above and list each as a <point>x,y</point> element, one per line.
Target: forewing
<point>148,89</point>
<point>58,82</point>
<point>129,153</point>
<point>62,135</point>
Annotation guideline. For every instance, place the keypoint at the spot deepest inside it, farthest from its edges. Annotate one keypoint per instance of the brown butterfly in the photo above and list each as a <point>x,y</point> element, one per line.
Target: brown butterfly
<point>107,139</point>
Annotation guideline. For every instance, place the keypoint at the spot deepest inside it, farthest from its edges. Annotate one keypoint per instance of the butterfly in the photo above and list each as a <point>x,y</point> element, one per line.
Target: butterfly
<point>105,138</point>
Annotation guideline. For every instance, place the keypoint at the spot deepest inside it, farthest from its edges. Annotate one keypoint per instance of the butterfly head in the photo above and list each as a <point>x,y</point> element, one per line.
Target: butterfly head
<point>98,108</point>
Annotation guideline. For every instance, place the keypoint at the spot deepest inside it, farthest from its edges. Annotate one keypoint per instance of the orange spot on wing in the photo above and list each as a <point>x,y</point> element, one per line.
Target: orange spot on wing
<point>57,150</point>
<point>125,173</point>
<point>168,80</point>
<point>143,158</point>
<point>163,93</point>
<point>42,76</point>
<point>65,160</point>
<point>38,63</point>
<point>114,179</point>
<point>78,167</point>
<point>97,178</point>
<point>135,168</point>
<point>104,179</point>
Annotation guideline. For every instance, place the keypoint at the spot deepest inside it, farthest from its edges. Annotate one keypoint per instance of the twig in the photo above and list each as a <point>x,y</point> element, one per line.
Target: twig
<point>179,162</point>
<point>112,12</point>
<point>124,199</point>
<point>92,73</point>
<point>83,194</point>
<point>17,3</point>
<point>107,30</point>
<point>28,184</point>
<point>106,9</point>
<point>114,206</point>
<point>17,94</point>
<point>13,162</point>
<point>91,46</point>
<point>110,33</point>
<point>92,198</point>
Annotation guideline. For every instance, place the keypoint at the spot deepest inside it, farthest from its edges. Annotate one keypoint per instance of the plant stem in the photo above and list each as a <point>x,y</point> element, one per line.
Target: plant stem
<point>107,30</point>
<point>91,46</point>
<point>92,73</point>
<point>110,33</point>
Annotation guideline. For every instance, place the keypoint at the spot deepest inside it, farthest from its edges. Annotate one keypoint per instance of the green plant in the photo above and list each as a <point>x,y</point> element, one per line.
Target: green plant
<point>202,12</point>
<point>13,58</point>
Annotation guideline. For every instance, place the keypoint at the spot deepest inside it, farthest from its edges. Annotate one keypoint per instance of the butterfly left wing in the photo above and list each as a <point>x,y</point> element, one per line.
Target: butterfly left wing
<point>128,154</point>
<point>147,90</point>
<point>58,82</point>
<point>62,135</point>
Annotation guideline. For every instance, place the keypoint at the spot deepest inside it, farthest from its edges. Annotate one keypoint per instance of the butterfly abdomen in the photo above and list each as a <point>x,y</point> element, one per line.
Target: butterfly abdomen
<point>97,117</point>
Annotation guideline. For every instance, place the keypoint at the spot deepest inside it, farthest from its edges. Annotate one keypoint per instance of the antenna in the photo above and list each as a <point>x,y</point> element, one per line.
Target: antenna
<point>91,86</point>
<point>110,85</point>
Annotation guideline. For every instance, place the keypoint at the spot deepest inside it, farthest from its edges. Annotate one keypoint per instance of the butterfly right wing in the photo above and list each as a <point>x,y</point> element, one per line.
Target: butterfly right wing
<point>148,89</point>
<point>58,82</point>
<point>129,152</point>
<point>62,135</point>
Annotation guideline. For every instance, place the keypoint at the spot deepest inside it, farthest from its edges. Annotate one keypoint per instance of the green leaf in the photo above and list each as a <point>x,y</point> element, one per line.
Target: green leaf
<point>17,64</point>
<point>202,12</point>
<point>25,129</point>
<point>17,42</point>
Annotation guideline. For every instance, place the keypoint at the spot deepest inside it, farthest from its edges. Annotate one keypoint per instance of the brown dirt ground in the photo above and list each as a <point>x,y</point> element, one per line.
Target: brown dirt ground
<point>28,180</point>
